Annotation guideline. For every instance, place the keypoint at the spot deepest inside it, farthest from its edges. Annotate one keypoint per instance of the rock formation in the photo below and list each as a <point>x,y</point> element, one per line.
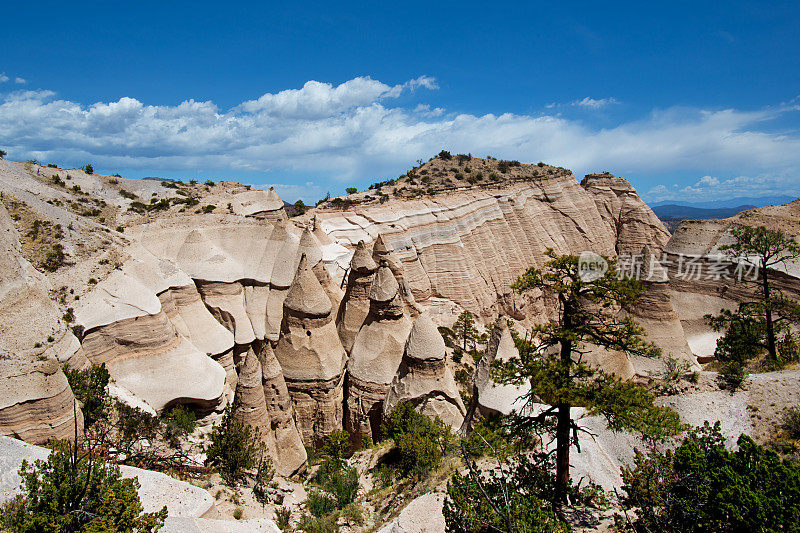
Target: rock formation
<point>289,455</point>
<point>376,355</point>
<point>655,313</point>
<point>469,246</point>
<point>490,397</point>
<point>36,402</point>
<point>423,377</point>
<point>355,304</point>
<point>311,356</point>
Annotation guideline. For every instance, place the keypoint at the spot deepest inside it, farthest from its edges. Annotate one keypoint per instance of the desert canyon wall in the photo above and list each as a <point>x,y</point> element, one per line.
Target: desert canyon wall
<point>322,322</point>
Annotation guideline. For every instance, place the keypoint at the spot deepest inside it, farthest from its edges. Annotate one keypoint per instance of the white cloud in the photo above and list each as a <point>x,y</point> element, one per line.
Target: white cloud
<point>426,82</point>
<point>593,103</point>
<point>353,132</point>
<point>709,181</point>
<point>712,188</point>
<point>3,77</point>
<point>20,81</point>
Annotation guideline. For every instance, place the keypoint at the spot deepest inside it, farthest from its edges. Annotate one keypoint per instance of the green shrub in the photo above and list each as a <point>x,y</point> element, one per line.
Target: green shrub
<point>282,518</point>
<point>55,258</point>
<point>732,375</point>
<point>421,441</point>
<point>704,487</point>
<point>351,190</point>
<point>320,504</point>
<point>791,423</point>
<point>90,387</point>
<point>73,492</point>
<point>178,423</point>
<point>352,513</point>
<point>336,446</point>
<point>89,169</point>
<point>324,524</point>
<point>234,448</point>
<point>516,498</point>
<point>237,513</point>
<point>343,486</point>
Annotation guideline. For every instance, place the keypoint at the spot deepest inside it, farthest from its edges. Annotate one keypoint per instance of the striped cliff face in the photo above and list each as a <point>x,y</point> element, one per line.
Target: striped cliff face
<point>469,245</point>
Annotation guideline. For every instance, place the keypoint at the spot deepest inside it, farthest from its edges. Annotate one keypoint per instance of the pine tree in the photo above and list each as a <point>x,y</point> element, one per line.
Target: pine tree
<point>757,324</point>
<point>465,329</point>
<point>551,361</point>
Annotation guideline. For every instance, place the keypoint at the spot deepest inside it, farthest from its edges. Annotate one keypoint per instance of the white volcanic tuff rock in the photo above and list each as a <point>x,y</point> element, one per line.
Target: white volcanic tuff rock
<point>382,253</point>
<point>634,222</point>
<point>147,357</point>
<point>423,377</point>
<point>376,355</point>
<point>225,248</point>
<point>289,454</point>
<point>355,303</point>
<point>655,313</point>
<point>470,246</point>
<point>226,301</point>
<point>263,402</point>
<point>36,402</point>
<point>423,515</point>
<point>490,396</point>
<point>259,204</point>
<point>311,355</point>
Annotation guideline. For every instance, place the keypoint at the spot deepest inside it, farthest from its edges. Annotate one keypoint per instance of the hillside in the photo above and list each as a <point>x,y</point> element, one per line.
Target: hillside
<point>195,294</point>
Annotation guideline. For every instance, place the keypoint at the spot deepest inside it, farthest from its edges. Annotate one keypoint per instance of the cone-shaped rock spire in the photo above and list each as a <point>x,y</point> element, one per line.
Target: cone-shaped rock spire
<point>376,355</point>
<point>423,377</point>
<point>306,295</point>
<point>311,356</point>
<point>355,305</point>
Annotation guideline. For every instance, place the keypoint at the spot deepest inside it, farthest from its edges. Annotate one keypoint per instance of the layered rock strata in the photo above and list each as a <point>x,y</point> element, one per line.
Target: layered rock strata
<point>701,281</point>
<point>469,246</point>
<point>376,355</point>
<point>655,313</point>
<point>311,356</point>
<point>424,378</point>
<point>36,402</point>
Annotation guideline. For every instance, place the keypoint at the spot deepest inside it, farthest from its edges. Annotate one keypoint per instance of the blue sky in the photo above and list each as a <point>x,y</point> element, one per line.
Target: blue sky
<point>689,100</point>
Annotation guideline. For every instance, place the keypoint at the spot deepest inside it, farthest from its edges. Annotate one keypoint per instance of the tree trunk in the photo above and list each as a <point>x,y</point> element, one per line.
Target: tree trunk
<point>563,419</point>
<point>562,452</point>
<point>771,346</point>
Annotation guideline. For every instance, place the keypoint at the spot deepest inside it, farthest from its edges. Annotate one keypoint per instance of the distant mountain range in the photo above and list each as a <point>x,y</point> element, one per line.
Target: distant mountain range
<point>671,212</point>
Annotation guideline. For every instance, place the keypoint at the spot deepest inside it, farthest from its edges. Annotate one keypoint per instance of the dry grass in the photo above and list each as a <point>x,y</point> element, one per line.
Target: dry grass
<point>40,238</point>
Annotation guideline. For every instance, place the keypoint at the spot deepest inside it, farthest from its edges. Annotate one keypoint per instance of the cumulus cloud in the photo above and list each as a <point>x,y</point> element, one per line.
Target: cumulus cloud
<point>711,188</point>
<point>20,81</point>
<point>359,130</point>
<point>593,103</point>
<point>3,77</point>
